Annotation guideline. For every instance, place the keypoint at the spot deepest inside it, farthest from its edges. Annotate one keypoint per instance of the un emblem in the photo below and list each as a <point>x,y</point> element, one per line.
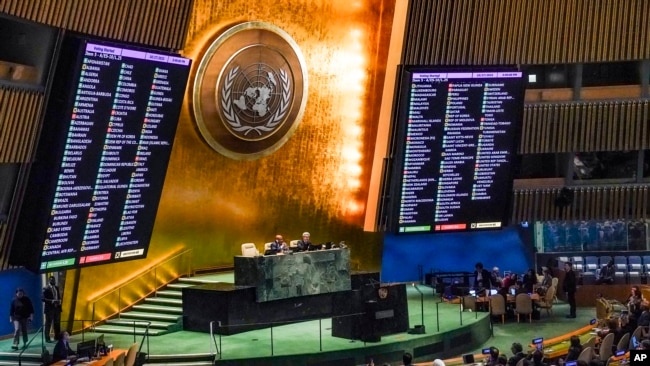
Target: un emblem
<point>250,91</point>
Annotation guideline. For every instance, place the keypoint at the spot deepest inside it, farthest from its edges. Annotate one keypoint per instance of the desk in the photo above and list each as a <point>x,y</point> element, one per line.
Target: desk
<point>99,362</point>
<point>300,274</point>
<point>559,346</point>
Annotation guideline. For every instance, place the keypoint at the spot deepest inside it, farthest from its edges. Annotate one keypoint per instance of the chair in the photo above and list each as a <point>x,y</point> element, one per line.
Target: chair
<point>554,282</point>
<point>620,270</point>
<point>578,264</point>
<point>521,362</point>
<point>119,361</point>
<point>498,306</point>
<point>267,246</point>
<point>637,334</point>
<point>605,351</point>
<point>249,250</point>
<point>293,244</point>
<point>623,343</point>
<point>469,303</point>
<point>590,271</point>
<point>586,355</point>
<point>132,353</point>
<point>110,362</point>
<point>635,271</point>
<point>646,263</point>
<point>591,342</point>
<point>547,301</point>
<point>603,309</point>
<point>524,306</point>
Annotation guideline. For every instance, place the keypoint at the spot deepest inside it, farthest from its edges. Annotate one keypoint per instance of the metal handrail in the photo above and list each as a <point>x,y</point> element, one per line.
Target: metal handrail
<point>137,276</point>
<point>20,355</point>
<point>214,341</point>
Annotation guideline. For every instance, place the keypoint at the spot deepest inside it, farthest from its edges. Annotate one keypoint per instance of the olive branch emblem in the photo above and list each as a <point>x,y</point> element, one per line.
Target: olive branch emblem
<point>233,119</point>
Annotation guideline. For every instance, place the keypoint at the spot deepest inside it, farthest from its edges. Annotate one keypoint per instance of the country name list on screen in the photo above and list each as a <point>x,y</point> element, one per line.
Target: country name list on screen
<point>460,136</point>
<point>122,122</point>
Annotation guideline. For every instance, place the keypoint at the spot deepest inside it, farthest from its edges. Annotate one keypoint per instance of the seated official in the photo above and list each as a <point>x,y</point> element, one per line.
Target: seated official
<point>644,319</point>
<point>634,301</point>
<point>62,350</point>
<point>497,281</point>
<point>517,354</point>
<point>277,246</point>
<point>606,273</point>
<point>304,243</point>
<point>613,326</point>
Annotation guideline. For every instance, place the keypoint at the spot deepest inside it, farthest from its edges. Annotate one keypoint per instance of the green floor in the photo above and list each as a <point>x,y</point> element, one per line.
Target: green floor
<point>314,336</point>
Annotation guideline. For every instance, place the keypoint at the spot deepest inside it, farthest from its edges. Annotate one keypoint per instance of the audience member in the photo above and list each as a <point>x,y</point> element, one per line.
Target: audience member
<point>497,281</point>
<point>538,357</point>
<point>575,348</point>
<point>438,362</point>
<point>546,282</point>
<point>634,301</point>
<point>530,281</point>
<point>493,360</point>
<point>570,288</point>
<point>503,360</point>
<point>407,359</point>
<point>645,344</point>
<point>517,354</point>
<point>644,318</point>
<point>606,274</point>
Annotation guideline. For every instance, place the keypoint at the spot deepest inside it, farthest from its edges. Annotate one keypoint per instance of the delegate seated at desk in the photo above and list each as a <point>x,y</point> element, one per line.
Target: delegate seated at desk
<point>62,350</point>
<point>277,246</point>
<point>304,243</point>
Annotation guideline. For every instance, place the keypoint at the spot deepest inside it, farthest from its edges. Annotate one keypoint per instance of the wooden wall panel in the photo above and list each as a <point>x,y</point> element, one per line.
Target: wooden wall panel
<point>19,115</point>
<point>589,203</point>
<point>585,126</point>
<point>461,32</point>
<point>159,23</point>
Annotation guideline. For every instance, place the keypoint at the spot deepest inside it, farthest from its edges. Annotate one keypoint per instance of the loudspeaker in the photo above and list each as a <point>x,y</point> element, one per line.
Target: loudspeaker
<point>564,198</point>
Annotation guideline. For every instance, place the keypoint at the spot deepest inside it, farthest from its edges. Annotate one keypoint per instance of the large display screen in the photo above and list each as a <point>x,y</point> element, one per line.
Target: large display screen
<point>455,144</point>
<point>103,160</point>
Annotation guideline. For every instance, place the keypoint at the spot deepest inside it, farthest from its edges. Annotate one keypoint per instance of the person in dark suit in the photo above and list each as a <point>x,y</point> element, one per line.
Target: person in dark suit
<point>482,277</point>
<point>52,300</point>
<point>570,288</point>
<point>62,350</point>
<point>305,242</point>
<point>277,246</point>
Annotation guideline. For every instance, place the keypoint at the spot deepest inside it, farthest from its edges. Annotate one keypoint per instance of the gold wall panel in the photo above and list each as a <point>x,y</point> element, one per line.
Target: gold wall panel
<point>317,181</point>
<point>461,32</point>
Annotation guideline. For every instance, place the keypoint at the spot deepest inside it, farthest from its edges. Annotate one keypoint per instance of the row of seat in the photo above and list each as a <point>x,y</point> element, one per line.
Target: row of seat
<point>627,269</point>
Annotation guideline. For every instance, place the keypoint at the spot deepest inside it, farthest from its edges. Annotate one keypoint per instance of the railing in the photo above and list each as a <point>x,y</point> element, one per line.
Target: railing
<point>39,331</point>
<point>141,285</point>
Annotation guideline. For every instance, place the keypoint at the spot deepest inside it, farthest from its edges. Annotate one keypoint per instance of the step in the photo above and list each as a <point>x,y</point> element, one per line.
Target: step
<point>163,301</point>
<point>170,293</point>
<point>152,324</point>
<point>180,286</point>
<point>159,309</point>
<point>128,330</point>
<point>197,280</point>
<point>143,315</point>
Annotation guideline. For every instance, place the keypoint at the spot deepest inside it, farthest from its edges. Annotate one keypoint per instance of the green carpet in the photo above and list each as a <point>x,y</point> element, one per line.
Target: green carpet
<point>315,336</point>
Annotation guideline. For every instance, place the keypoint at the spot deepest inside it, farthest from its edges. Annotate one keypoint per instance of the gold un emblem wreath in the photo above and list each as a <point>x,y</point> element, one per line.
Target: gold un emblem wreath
<point>250,91</point>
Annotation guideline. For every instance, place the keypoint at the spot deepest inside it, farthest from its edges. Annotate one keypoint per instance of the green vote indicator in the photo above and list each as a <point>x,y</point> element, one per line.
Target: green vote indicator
<point>58,263</point>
